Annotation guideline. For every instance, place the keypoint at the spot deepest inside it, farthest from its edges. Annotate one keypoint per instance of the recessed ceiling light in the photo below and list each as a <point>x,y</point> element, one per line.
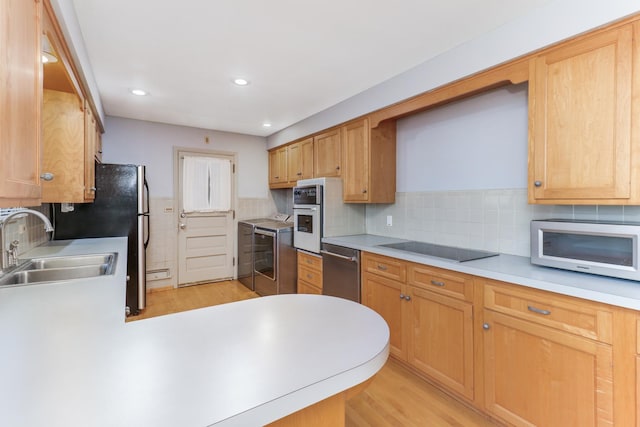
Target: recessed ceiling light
<point>266,125</point>
<point>241,82</point>
<point>138,92</point>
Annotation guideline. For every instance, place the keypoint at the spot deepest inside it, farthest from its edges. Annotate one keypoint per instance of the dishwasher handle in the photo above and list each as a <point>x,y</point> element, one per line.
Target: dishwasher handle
<point>346,258</point>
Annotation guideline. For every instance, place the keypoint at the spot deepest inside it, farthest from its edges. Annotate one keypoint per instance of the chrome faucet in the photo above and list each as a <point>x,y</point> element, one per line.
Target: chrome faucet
<point>9,254</point>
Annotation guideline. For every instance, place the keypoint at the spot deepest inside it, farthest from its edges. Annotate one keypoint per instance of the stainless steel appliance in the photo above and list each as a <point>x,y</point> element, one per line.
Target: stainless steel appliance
<point>121,208</point>
<point>598,247</point>
<point>307,217</point>
<point>245,251</point>
<point>340,272</point>
<point>274,258</point>
<point>319,211</point>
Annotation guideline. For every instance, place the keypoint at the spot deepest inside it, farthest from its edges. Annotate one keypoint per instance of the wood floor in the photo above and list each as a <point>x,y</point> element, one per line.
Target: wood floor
<point>396,397</point>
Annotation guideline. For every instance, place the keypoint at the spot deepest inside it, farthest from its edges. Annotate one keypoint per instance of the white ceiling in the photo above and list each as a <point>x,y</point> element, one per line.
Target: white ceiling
<point>301,57</point>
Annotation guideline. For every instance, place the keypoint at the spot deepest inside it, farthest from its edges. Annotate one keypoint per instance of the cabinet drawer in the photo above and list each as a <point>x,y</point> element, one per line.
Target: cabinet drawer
<point>579,317</point>
<point>311,276</point>
<point>306,288</point>
<point>444,282</point>
<point>384,266</point>
<point>310,261</point>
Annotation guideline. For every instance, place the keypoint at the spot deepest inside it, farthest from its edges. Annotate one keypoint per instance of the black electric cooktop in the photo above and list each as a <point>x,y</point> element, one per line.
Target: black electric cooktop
<point>441,251</point>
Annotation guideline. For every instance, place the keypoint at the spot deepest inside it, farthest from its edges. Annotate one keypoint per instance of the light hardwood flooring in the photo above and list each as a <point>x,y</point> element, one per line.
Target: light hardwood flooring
<point>396,397</point>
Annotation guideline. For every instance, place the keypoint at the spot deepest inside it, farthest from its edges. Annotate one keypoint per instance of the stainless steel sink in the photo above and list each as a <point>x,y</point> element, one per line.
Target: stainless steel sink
<point>69,261</point>
<point>57,269</point>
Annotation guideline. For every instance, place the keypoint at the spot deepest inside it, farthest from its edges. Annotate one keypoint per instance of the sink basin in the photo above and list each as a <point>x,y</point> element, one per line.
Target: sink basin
<point>69,261</point>
<point>57,269</point>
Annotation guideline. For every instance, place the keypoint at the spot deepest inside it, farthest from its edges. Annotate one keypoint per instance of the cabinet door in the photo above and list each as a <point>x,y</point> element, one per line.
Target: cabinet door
<point>306,157</point>
<point>386,297</point>
<point>441,344</point>
<point>300,160</point>
<point>580,120</point>
<point>64,147</point>
<point>278,166</point>
<point>536,375</point>
<point>327,154</point>
<point>355,145</point>
<point>20,102</point>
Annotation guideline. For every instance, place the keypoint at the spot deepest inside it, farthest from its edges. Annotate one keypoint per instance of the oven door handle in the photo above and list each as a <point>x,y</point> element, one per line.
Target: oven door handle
<point>347,258</point>
<point>305,209</point>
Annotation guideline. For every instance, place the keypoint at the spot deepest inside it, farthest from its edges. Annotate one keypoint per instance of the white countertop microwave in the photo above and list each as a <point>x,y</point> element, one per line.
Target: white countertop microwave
<point>596,247</point>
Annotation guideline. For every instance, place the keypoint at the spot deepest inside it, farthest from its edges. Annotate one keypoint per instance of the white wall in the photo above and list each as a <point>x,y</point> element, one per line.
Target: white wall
<point>151,144</point>
<point>555,21</point>
<point>476,143</point>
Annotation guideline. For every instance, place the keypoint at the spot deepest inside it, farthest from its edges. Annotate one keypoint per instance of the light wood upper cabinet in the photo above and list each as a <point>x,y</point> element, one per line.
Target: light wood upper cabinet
<point>327,154</point>
<point>300,160</point>
<point>278,168</point>
<point>583,145</point>
<point>20,102</point>
<point>369,162</point>
<point>64,156</point>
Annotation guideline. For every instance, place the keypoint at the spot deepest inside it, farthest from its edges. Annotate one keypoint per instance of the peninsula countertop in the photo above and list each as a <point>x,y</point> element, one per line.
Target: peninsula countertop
<point>512,269</point>
<point>69,359</point>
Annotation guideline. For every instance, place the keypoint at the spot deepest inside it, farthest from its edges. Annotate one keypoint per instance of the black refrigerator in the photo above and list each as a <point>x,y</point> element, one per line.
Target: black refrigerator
<point>121,208</point>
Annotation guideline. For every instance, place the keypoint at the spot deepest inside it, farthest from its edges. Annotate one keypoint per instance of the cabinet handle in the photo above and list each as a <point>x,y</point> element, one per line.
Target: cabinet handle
<point>93,189</point>
<point>401,296</point>
<point>309,276</point>
<point>382,267</point>
<point>47,176</point>
<point>364,191</point>
<point>299,174</point>
<point>407,297</point>
<point>435,282</point>
<point>538,183</point>
<point>277,177</point>
<point>337,168</point>
<point>309,261</point>
<point>485,326</point>
<point>538,310</point>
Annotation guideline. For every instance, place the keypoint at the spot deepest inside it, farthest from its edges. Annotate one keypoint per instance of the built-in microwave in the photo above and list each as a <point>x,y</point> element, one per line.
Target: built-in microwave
<point>596,247</point>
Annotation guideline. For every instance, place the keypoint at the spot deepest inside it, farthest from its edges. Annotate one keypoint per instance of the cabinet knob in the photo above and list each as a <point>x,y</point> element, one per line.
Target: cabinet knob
<point>538,183</point>
<point>407,297</point>
<point>92,189</point>
<point>182,226</point>
<point>485,326</point>
<point>47,176</point>
<point>364,191</point>
<point>401,296</point>
<point>337,168</point>
<point>382,267</point>
<point>437,283</point>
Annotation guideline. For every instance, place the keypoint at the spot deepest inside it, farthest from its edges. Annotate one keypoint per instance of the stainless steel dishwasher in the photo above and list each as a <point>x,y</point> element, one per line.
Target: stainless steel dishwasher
<point>340,272</point>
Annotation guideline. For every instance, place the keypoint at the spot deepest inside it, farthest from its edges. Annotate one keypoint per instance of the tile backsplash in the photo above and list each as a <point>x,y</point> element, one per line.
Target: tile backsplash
<point>494,220</point>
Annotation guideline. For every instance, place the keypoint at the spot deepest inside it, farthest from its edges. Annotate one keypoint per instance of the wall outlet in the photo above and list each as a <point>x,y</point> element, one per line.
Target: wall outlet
<point>389,220</point>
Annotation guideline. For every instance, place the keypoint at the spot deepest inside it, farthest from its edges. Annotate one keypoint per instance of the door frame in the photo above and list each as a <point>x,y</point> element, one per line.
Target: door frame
<point>176,199</point>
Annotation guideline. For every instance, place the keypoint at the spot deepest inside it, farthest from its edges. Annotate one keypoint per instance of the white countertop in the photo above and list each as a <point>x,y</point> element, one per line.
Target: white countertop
<point>513,269</point>
<point>69,359</point>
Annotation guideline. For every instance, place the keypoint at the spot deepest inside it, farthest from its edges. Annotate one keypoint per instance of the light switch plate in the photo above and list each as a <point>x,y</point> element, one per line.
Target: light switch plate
<point>389,221</point>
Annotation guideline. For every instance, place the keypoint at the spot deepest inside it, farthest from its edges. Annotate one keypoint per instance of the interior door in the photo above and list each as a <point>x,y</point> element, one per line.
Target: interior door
<point>205,217</point>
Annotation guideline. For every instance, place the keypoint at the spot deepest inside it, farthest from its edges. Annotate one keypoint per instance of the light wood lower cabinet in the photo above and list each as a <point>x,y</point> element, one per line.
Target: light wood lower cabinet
<point>441,341</point>
<point>386,297</point>
<point>309,273</point>
<point>538,376</point>
<point>430,331</point>
<point>523,356</point>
